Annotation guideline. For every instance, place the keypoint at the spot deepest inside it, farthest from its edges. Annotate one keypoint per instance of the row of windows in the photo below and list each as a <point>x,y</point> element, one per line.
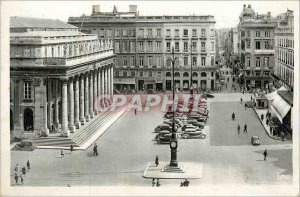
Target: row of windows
<point>286,75</point>
<point>285,43</point>
<point>285,56</point>
<point>185,33</point>
<point>159,74</point>
<point>259,62</point>
<point>258,73</point>
<point>141,46</point>
<point>258,34</point>
<point>142,61</point>
<point>186,46</point>
<point>150,32</point>
<point>258,45</point>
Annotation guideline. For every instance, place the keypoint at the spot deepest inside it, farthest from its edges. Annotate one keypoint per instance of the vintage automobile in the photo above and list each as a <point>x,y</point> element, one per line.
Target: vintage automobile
<point>163,127</point>
<point>164,140</point>
<point>162,134</point>
<point>191,133</point>
<point>255,140</point>
<point>189,126</point>
<point>177,121</point>
<point>170,122</point>
<point>207,95</point>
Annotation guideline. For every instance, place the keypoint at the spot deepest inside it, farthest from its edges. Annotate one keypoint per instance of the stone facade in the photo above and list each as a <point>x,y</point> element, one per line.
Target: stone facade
<point>54,71</point>
<point>257,51</point>
<point>284,50</point>
<point>143,44</point>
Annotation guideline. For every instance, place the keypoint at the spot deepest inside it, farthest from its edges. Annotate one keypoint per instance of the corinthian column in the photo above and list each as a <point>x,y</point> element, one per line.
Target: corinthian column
<point>95,92</point>
<point>81,101</point>
<point>91,95</point>
<point>86,98</point>
<point>76,100</point>
<point>112,80</point>
<point>64,100</point>
<point>71,106</point>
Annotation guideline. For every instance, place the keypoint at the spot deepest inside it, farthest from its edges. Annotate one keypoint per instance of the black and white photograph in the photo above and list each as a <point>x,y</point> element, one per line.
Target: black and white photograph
<point>149,98</point>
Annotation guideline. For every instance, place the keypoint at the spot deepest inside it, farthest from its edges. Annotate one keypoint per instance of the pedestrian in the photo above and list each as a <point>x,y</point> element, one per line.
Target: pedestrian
<point>233,116</point>
<point>62,153</point>
<point>16,177</point>
<point>71,147</point>
<point>24,170</point>
<point>238,128</point>
<point>22,179</point>
<point>17,168</point>
<point>251,98</point>
<point>157,183</point>
<point>153,182</point>
<point>246,106</point>
<point>265,155</point>
<point>156,161</point>
<point>135,111</point>
<point>28,165</point>
<point>241,100</point>
<point>282,136</point>
<point>245,128</point>
<point>95,150</point>
<point>262,117</point>
<point>267,122</point>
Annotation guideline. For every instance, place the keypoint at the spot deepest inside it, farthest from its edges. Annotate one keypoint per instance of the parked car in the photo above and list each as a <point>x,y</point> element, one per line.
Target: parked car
<point>191,133</point>
<point>170,122</point>
<point>151,91</point>
<point>163,127</point>
<point>189,126</point>
<point>255,140</point>
<point>162,134</point>
<point>164,140</point>
<point>207,95</point>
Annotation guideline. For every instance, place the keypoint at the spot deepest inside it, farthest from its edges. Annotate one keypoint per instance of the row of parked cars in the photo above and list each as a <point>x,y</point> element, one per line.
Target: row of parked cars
<point>188,124</point>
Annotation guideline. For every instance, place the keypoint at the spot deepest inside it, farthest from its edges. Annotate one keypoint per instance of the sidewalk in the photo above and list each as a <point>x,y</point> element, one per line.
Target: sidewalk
<point>267,128</point>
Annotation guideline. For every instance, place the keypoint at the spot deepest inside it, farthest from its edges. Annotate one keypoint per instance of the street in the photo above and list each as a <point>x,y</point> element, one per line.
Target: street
<point>126,148</point>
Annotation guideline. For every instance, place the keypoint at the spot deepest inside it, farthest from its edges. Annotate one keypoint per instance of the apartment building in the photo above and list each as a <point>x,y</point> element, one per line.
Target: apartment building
<point>143,47</point>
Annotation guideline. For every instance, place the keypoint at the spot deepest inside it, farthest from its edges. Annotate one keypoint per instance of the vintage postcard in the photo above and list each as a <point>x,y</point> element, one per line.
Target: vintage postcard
<point>149,98</point>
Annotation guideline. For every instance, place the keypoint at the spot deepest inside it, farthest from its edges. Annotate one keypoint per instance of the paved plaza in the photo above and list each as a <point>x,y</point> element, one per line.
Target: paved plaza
<point>127,147</point>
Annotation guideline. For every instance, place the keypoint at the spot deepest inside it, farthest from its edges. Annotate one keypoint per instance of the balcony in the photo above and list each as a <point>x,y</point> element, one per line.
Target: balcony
<point>264,51</point>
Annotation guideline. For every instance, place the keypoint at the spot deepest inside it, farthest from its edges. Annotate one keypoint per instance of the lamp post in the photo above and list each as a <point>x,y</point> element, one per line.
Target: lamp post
<point>173,141</point>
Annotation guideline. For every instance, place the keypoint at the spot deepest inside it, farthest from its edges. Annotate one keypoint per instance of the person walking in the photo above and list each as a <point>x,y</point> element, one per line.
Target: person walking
<point>16,178</point>
<point>95,149</point>
<point>24,170</point>
<point>267,122</point>
<point>156,161</point>
<point>153,182</point>
<point>135,111</point>
<point>238,128</point>
<point>62,153</point>
<point>233,116</point>
<point>246,106</point>
<point>71,148</point>
<point>17,168</point>
<point>157,183</point>
<point>241,100</point>
<point>265,155</point>
<point>245,128</point>
<point>28,165</point>
<point>262,117</point>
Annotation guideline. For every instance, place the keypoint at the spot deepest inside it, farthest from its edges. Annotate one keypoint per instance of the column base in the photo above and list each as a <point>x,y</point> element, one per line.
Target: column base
<point>95,113</point>
<point>65,133</point>
<point>46,132</point>
<point>72,128</point>
<point>92,115</point>
<point>87,118</point>
<point>82,121</point>
<point>77,124</point>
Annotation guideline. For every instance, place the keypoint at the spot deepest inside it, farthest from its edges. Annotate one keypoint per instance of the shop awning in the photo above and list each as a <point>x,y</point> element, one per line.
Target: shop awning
<point>280,107</point>
<point>271,95</point>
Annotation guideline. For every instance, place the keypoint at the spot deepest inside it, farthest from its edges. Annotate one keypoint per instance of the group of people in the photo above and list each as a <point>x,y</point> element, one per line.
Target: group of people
<point>239,127</point>
<point>157,183</point>
<point>20,173</point>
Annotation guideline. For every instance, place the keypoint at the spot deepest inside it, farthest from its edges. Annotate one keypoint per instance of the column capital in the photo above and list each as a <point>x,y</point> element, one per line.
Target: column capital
<point>64,80</point>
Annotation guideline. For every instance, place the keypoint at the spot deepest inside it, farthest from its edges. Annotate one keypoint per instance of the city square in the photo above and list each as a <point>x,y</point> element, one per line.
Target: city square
<point>136,95</point>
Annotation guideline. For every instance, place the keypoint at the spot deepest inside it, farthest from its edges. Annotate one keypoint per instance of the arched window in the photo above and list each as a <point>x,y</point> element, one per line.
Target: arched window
<point>168,74</point>
<point>186,74</point>
<point>28,119</point>
<point>177,74</point>
<point>203,74</point>
<point>195,74</point>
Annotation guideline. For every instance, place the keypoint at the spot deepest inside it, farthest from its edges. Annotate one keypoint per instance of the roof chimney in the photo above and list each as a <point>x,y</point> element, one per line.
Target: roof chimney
<point>132,8</point>
<point>96,9</point>
<point>244,7</point>
<point>249,5</point>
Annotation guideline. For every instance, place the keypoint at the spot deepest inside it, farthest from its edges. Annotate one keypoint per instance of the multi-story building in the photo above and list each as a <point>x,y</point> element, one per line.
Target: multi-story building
<point>256,34</point>
<point>284,50</point>
<point>143,46</point>
<point>56,75</point>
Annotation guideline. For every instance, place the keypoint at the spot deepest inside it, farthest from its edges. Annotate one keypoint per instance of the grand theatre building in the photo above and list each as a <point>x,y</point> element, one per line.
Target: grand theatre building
<point>56,75</point>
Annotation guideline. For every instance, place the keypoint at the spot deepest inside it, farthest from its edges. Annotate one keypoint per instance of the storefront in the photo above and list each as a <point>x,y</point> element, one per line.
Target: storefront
<point>123,84</point>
